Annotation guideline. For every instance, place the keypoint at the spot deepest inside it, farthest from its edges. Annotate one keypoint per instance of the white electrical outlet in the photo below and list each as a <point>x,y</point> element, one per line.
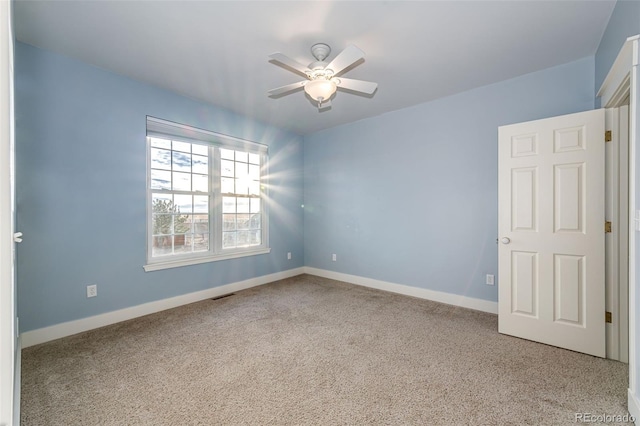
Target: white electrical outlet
<point>490,280</point>
<point>289,256</point>
<point>92,290</point>
<point>334,257</point>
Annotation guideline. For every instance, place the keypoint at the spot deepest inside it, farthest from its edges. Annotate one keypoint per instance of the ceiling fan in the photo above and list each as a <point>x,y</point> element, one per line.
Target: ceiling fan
<point>324,78</point>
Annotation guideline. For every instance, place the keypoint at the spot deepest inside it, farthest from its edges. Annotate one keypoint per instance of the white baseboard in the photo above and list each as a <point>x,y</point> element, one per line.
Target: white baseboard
<point>17,383</point>
<point>46,334</point>
<point>57,331</point>
<point>422,293</point>
<point>633,404</point>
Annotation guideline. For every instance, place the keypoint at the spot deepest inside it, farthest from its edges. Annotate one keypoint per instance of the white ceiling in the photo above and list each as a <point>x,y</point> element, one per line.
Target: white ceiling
<point>216,51</point>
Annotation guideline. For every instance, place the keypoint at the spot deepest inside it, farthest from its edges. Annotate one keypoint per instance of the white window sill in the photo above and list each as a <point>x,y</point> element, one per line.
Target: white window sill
<point>156,266</point>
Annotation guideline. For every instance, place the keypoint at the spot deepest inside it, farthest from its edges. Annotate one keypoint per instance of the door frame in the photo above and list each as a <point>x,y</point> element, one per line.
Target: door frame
<point>622,81</point>
<point>8,342</point>
<point>616,240</point>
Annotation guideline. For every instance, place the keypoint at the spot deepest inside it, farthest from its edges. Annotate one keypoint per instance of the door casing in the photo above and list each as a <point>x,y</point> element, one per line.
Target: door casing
<point>622,82</point>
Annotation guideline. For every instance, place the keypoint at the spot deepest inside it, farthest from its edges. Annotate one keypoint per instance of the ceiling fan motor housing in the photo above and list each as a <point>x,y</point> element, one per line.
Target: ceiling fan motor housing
<point>320,51</point>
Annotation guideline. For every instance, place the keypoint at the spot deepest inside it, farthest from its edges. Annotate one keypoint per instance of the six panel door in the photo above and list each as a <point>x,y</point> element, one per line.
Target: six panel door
<point>551,231</point>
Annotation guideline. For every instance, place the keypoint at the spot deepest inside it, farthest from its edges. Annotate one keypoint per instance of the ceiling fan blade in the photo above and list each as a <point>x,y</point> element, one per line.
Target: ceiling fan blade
<point>286,89</point>
<point>362,86</point>
<point>347,57</point>
<point>290,63</point>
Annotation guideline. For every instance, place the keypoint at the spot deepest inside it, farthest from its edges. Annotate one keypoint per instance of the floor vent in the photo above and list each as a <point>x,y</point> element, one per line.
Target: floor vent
<point>223,296</point>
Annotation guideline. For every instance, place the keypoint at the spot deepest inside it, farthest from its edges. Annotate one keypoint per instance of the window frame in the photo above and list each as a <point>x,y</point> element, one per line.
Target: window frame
<point>164,129</point>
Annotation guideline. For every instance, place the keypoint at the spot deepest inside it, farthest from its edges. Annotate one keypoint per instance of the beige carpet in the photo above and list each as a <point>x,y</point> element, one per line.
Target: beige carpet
<point>308,350</point>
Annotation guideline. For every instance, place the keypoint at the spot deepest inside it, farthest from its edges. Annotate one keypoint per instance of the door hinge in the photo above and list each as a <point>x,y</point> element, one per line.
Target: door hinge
<point>607,317</point>
<point>607,136</point>
<point>607,226</point>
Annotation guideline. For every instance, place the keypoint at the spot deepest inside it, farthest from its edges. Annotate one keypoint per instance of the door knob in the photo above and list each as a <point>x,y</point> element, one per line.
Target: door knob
<point>505,240</point>
<point>17,237</point>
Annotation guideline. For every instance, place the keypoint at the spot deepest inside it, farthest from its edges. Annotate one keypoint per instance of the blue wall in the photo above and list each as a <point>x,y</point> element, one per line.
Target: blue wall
<point>411,196</point>
<point>81,190</point>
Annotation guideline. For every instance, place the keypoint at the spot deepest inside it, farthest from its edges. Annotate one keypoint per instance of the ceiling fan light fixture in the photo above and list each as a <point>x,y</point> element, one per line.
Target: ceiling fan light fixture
<point>320,90</point>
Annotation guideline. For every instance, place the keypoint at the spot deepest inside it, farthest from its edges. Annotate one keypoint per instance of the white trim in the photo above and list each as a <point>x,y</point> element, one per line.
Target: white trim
<point>7,278</point>
<point>422,293</point>
<point>615,86</point>
<point>156,266</point>
<point>17,389</point>
<point>156,127</point>
<point>633,405</point>
<point>633,141</point>
<point>616,242</point>
<point>624,220</point>
<point>611,239</point>
<point>622,79</point>
<point>46,334</point>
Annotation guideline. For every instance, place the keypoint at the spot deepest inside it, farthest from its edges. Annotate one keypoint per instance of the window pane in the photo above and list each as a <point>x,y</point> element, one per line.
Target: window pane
<point>227,154</point>
<point>226,185</point>
<point>181,244</point>
<point>243,205</point>
<point>160,143</point>
<point>201,242</point>
<point>200,183</point>
<point>242,170</point>
<point>228,239</point>
<point>162,203</point>
<point>242,186</point>
<point>254,158</point>
<point>254,188</point>
<point>255,237</point>
<point>200,164</point>
<point>160,179</point>
<point>255,205</point>
<point>200,149</point>
<point>162,245</point>
<point>201,204</point>
<point>160,159</point>
<point>228,204</point>
<point>182,223</point>
<point>157,198</point>
<point>243,221</point>
<point>181,181</point>
<point>242,239</point>
<point>226,168</point>
<point>162,224</point>
<point>181,162</point>
<point>184,203</point>
<point>181,146</point>
<point>254,172</point>
<point>242,156</point>
<point>228,222</point>
<point>254,222</point>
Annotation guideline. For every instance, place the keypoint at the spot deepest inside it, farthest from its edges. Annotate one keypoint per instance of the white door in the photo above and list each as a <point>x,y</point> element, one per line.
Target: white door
<point>551,231</point>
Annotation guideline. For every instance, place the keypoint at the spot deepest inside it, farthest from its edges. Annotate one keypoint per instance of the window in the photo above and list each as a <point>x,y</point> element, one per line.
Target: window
<point>205,196</point>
